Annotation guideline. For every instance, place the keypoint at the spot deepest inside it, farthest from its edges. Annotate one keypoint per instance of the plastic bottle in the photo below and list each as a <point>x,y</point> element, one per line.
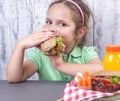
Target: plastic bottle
<point>112,58</point>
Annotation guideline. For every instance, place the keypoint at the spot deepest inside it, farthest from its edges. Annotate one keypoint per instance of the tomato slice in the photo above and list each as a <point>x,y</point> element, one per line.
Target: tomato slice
<point>104,80</point>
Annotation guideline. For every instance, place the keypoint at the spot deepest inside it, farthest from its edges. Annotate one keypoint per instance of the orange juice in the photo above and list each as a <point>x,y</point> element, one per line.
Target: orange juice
<point>112,58</point>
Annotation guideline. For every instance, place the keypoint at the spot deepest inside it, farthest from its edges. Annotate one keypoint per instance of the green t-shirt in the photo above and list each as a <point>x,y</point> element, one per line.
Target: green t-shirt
<point>45,69</point>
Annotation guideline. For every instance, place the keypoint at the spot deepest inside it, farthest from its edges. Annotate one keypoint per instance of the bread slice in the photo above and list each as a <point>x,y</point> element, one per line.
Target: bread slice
<point>48,45</point>
<point>106,73</point>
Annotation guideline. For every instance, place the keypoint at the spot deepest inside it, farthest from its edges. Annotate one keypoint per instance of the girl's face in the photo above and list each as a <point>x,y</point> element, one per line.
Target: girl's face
<point>59,20</point>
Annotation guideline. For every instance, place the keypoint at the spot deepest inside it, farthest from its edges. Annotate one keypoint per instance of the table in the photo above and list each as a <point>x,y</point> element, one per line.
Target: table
<point>36,91</point>
<point>31,90</point>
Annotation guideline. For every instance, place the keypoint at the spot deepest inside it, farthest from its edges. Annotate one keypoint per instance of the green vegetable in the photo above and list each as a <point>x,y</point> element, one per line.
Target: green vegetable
<point>115,79</point>
<point>59,41</point>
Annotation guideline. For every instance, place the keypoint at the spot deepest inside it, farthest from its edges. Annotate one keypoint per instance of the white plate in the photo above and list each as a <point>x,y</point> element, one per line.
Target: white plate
<point>110,98</point>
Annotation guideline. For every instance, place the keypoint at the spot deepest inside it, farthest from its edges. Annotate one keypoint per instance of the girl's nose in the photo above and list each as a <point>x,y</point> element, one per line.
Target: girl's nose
<point>54,29</point>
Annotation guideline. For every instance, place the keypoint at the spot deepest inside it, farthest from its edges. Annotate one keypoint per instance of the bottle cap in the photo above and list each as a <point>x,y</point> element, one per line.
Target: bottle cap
<point>113,48</point>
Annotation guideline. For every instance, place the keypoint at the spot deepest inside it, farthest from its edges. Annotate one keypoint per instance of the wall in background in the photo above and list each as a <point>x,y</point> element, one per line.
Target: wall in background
<point>19,18</point>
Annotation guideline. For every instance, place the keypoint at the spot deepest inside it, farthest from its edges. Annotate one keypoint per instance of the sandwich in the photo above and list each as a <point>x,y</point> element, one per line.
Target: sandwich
<point>106,81</point>
<point>52,46</point>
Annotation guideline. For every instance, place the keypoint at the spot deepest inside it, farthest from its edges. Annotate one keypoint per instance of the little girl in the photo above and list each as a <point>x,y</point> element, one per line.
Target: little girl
<point>69,18</point>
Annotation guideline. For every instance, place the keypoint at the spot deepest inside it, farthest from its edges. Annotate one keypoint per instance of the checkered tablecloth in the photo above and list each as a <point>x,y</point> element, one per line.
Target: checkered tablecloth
<point>73,93</point>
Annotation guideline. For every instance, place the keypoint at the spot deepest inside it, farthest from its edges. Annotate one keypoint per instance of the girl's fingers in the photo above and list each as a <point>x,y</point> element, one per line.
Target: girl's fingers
<point>36,38</point>
<point>40,35</point>
<point>43,30</point>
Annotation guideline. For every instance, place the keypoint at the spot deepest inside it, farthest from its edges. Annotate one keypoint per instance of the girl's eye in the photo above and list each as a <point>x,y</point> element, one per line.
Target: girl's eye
<point>62,24</point>
<point>48,22</point>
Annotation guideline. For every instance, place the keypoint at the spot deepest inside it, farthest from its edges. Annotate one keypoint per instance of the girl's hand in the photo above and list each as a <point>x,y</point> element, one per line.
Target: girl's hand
<point>35,38</point>
<point>57,61</point>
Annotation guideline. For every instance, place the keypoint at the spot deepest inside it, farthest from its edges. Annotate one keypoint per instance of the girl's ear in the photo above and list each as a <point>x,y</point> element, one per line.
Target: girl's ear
<point>81,32</point>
